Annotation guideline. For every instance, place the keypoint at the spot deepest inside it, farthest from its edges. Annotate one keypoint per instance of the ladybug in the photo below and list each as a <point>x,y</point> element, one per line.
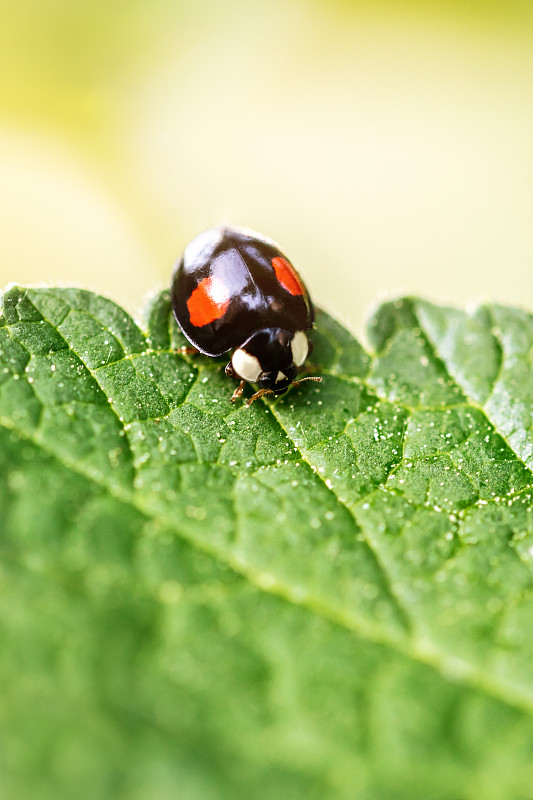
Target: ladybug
<point>234,289</point>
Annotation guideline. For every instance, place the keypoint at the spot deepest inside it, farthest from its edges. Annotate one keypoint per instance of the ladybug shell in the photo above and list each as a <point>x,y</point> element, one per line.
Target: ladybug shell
<point>231,283</point>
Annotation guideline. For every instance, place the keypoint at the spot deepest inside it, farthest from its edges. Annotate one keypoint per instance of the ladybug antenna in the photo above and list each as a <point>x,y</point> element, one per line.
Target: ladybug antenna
<point>262,392</point>
<point>309,378</point>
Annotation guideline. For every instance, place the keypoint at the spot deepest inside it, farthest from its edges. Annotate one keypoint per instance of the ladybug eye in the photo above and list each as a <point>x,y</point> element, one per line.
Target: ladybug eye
<point>299,347</point>
<point>247,366</point>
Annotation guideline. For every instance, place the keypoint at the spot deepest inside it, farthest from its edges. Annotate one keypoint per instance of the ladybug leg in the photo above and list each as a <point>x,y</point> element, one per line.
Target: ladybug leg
<point>238,391</point>
<point>187,351</point>
<point>260,393</point>
<point>230,372</point>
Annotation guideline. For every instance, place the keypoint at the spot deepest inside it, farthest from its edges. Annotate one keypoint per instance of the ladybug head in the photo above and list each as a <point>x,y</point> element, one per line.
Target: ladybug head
<point>271,358</point>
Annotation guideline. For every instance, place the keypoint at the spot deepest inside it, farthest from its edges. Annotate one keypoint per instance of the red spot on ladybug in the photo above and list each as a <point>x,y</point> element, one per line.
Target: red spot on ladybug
<point>287,275</point>
<point>208,302</point>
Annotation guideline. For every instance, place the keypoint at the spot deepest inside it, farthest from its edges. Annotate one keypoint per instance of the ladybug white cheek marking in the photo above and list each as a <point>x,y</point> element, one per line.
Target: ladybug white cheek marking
<point>299,347</point>
<point>247,366</point>
<point>280,377</point>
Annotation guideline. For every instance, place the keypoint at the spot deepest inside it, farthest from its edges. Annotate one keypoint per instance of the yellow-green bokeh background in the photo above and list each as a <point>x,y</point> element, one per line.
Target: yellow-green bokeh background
<point>388,147</point>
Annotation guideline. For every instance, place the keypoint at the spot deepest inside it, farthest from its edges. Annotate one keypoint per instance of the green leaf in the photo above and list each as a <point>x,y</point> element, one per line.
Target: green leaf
<point>326,596</point>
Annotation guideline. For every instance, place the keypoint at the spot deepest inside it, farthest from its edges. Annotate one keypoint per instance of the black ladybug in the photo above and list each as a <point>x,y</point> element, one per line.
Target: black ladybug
<point>233,289</point>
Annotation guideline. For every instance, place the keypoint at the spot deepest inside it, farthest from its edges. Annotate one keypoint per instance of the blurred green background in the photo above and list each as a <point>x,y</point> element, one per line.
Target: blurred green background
<point>386,146</point>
